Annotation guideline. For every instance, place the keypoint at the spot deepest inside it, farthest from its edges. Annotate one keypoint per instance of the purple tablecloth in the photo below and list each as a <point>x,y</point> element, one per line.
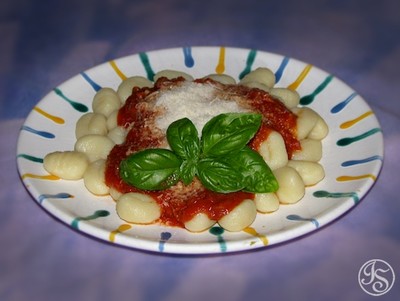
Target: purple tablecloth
<point>44,43</point>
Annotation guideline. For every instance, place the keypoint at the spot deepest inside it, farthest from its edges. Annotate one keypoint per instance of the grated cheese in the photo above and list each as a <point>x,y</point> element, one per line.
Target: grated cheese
<point>197,101</point>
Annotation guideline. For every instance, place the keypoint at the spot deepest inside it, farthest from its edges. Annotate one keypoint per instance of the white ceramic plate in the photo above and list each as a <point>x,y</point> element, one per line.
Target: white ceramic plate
<point>353,151</point>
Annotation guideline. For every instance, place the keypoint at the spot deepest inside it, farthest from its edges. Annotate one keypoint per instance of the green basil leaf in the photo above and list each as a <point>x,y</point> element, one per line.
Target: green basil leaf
<point>183,138</point>
<point>188,171</point>
<point>227,133</point>
<point>219,176</point>
<point>257,176</point>
<point>151,169</point>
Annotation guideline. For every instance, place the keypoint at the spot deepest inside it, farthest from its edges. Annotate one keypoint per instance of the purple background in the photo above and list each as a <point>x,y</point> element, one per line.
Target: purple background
<point>44,43</point>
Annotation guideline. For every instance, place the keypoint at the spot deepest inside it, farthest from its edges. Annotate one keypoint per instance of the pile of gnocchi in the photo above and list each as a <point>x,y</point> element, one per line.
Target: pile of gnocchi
<point>97,132</point>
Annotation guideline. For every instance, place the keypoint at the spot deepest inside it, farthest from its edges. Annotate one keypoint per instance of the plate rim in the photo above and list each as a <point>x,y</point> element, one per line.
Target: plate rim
<point>211,247</point>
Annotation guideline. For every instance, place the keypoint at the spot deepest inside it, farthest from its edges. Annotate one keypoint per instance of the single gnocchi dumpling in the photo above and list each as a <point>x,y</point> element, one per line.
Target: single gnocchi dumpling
<point>91,123</point>
<point>112,120</point>
<point>310,172</point>
<point>94,146</point>
<point>138,208</point>
<point>200,222</point>
<point>94,178</point>
<point>260,75</point>
<point>67,165</point>
<point>256,85</point>
<point>125,88</point>
<point>222,78</point>
<point>290,98</point>
<point>306,121</point>
<point>115,194</point>
<point>117,134</point>
<point>311,150</point>
<point>320,130</point>
<point>291,186</point>
<point>242,216</point>
<point>266,202</point>
<point>171,74</point>
<point>106,101</point>
<point>273,150</point>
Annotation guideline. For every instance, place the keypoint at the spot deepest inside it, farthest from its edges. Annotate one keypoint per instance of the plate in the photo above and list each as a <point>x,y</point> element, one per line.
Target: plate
<point>352,152</point>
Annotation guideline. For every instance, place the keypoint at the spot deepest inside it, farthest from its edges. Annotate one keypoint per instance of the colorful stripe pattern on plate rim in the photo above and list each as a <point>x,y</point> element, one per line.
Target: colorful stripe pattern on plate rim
<point>188,55</point>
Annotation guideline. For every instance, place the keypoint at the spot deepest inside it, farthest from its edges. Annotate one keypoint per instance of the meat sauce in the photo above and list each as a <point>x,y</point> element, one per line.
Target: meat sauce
<point>180,203</point>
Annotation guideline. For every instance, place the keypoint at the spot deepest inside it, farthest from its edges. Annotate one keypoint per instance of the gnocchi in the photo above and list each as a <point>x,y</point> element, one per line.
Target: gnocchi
<point>320,130</point>
<point>257,85</point>
<point>117,135</point>
<point>138,208</point>
<point>200,222</point>
<point>311,150</point>
<point>222,78</point>
<point>171,74</point>
<point>266,202</point>
<point>106,101</point>
<point>273,151</point>
<point>240,217</point>
<point>91,123</point>
<point>290,98</point>
<point>125,88</point>
<point>94,178</point>
<point>112,121</point>
<point>94,146</point>
<point>98,132</point>
<point>260,75</point>
<point>291,186</point>
<point>310,172</point>
<point>306,121</point>
<point>68,165</point>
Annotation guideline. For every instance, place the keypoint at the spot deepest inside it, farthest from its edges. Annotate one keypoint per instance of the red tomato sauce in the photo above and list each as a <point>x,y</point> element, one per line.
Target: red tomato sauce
<point>138,117</point>
<point>177,211</point>
<point>260,137</point>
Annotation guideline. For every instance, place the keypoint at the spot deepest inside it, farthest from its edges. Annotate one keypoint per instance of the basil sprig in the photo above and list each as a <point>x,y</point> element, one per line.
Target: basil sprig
<point>221,159</point>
